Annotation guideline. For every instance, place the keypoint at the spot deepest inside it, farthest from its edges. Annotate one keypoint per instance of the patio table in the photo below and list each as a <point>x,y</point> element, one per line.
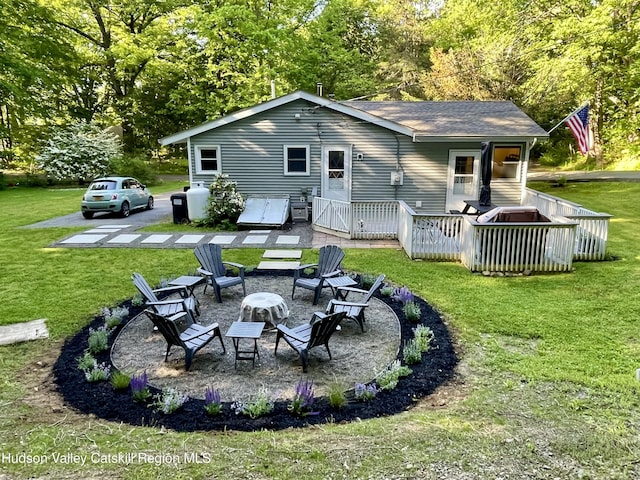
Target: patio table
<point>245,330</point>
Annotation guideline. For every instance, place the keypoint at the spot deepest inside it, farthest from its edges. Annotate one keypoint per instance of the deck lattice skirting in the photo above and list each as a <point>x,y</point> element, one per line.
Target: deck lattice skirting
<point>574,233</point>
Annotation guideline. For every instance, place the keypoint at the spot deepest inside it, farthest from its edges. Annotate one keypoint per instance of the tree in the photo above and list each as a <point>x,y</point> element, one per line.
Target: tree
<point>80,151</point>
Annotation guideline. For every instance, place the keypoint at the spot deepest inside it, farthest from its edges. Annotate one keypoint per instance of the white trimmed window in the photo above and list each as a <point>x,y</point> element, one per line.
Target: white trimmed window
<point>208,159</point>
<point>296,160</point>
<point>507,161</point>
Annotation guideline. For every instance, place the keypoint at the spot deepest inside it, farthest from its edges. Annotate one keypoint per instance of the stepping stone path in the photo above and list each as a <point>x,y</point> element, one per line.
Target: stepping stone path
<point>121,236</point>
<point>283,262</point>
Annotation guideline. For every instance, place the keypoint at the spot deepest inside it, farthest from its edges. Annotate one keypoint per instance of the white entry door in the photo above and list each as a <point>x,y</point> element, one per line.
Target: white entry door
<point>463,179</point>
<point>336,173</point>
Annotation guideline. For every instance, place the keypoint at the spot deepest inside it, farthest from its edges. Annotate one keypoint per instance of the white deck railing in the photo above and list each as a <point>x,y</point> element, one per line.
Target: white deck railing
<point>574,233</point>
<point>593,227</point>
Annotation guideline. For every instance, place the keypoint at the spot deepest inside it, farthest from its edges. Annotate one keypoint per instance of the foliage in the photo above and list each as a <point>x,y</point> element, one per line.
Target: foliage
<point>98,373</point>
<point>133,166</point>
<point>80,151</point>
<point>98,340</point>
<point>402,295</point>
<point>411,352</point>
<point>225,203</point>
<point>367,280</point>
<point>140,388</point>
<point>256,408</point>
<point>86,361</point>
<point>388,379</point>
<point>137,300</point>
<point>387,291</point>
<point>114,316</point>
<point>302,402</point>
<point>365,392</point>
<point>212,402</point>
<point>336,395</point>
<point>423,336</point>
<point>169,401</point>
<point>412,311</point>
<point>120,380</point>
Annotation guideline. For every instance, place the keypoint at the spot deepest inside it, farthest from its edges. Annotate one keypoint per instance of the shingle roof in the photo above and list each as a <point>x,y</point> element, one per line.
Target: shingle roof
<point>455,119</point>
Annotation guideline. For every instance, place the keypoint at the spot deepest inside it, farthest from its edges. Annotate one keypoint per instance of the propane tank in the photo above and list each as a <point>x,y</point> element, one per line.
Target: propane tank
<point>197,201</point>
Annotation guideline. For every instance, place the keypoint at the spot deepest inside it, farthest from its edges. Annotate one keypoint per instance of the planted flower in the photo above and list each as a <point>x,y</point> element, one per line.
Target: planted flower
<point>140,388</point>
<point>365,393</point>
<point>169,401</point>
<point>303,399</point>
<point>212,403</point>
<point>403,295</point>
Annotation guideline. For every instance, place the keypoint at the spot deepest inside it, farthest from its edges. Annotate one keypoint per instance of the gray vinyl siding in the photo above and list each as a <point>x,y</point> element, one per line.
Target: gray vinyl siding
<point>251,153</point>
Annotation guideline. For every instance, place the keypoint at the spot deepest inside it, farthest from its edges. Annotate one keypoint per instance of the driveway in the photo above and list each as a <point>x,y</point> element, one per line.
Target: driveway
<point>162,212</point>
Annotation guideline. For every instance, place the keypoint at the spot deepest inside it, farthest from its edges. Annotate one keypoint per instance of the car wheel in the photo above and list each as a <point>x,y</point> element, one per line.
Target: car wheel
<point>150,203</point>
<point>124,209</point>
<point>87,215</point>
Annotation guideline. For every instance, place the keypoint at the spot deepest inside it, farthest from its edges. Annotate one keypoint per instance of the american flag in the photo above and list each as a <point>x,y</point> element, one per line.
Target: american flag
<point>578,123</point>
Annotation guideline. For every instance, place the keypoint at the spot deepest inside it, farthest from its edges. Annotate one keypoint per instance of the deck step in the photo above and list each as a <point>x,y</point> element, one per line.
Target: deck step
<point>282,254</point>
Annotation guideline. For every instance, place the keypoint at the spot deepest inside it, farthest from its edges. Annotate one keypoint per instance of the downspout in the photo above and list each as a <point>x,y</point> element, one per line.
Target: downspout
<point>398,166</point>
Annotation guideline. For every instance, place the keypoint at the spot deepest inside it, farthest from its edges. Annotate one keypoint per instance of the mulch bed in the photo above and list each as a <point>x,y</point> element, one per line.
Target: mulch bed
<point>101,400</point>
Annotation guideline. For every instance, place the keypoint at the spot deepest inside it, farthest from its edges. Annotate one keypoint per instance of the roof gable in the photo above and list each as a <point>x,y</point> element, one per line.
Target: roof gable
<point>423,121</point>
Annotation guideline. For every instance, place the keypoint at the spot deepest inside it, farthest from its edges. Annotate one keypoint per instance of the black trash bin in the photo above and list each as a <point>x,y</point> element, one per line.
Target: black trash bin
<point>180,211</point>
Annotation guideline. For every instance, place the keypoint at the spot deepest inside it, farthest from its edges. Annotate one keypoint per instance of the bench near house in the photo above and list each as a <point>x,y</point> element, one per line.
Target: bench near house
<point>390,169</point>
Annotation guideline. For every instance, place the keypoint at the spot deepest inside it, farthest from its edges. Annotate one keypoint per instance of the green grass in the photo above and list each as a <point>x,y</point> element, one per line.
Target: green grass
<point>546,383</point>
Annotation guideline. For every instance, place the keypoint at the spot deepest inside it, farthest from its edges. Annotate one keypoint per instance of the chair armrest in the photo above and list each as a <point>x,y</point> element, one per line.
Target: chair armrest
<point>233,264</point>
<point>298,270</point>
<point>173,288</point>
<point>202,271</point>
<point>167,302</point>
<point>352,289</point>
<point>209,329</point>
<point>332,274</point>
<point>348,304</point>
<point>290,333</point>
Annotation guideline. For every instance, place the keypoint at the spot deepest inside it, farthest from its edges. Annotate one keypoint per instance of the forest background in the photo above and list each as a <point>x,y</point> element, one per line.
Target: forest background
<point>150,68</point>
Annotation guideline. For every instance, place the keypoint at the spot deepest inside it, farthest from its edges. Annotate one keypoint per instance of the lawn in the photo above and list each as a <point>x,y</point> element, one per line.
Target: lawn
<point>546,384</point>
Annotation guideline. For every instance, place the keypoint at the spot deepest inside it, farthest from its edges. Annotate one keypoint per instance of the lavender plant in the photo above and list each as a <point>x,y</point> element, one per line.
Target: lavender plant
<point>99,372</point>
<point>423,336</point>
<point>86,361</point>
<point>113,317</point>
<point>169,401</point>
<point>98,340</point>
<point>389,377</point>
<point>412,311</point>
<point>212,403</point>
<point>303,399</point>
<point>140,388</point>
<point>254,409</point>
<point>411,352</point>
<point>402,295</point>
<point>365,393</point>
<point>387,291</point>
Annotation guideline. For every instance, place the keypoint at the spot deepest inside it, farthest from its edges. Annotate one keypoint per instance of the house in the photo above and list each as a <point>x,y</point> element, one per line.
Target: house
<point>424,153</point>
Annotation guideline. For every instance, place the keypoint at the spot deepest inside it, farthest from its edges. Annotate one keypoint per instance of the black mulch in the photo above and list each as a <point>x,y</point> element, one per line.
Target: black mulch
<point>101,400</point>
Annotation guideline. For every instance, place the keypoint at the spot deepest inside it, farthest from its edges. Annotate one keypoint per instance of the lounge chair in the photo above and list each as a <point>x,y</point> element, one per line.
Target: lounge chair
<point>210,257</point>
<point>167,307</point>
<point>328,267</point>
<point>305,337</point>
<point>354,310</point>
<point>191,340</point>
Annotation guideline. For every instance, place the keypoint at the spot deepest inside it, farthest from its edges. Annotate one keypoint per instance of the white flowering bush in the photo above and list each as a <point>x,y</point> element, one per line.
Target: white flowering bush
<point>79,151</point>
<point>225,203</point>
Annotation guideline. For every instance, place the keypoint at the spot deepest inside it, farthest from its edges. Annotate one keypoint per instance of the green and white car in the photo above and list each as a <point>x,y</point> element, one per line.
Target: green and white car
<point>117,195</point>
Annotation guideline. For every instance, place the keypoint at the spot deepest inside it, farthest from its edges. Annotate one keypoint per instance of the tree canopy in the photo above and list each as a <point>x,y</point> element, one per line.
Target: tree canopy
<point>153,67</point>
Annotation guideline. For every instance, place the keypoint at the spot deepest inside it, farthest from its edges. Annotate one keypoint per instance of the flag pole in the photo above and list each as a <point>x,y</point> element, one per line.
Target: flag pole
<point>568,116</point>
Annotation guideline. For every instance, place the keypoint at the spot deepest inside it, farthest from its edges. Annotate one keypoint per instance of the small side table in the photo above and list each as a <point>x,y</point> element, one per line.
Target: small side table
<point>249,330</point>
<point>340,281</point>
<point>191,282</point>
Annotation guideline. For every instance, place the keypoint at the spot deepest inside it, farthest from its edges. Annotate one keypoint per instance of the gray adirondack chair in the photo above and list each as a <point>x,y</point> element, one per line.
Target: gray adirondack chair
<point>194,338</point>
<point>313,334</point>
<point>328,266</point>
<point>210,257</point>
<point>354,310</point>
<point>170,306</point>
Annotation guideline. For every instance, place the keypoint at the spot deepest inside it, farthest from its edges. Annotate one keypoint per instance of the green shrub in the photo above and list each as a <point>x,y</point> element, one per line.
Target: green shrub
<point>99,372</point>
<point>225,203</point>
<point>387,291</point>
<point>98,340</point>
<point>388,379</point>
<point>411,352</point>
<point>169,401</point>
<point>254,409</point>
<point>412,311</point>
<point>423,336</point>
<point>87,361</point>
<point>134,166</point>
<point>367,280</point>
<point>336,396</point>
<point>120,380</point>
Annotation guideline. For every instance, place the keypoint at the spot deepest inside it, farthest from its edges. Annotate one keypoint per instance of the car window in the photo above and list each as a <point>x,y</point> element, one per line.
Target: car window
<point>103,185</point>
<point>134,184</point>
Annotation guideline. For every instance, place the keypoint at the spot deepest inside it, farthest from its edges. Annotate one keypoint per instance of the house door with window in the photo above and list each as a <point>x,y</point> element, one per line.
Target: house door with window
<point>463,178</point>
<point>336,173</point>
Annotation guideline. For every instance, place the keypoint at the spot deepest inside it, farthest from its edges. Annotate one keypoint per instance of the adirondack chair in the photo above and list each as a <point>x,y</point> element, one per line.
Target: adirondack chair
<point>313,334</point>
<point>353,310</point>
<point>328,266</point>
<point>186,303</point>
<point>210,257</point>
<point>191,340</point>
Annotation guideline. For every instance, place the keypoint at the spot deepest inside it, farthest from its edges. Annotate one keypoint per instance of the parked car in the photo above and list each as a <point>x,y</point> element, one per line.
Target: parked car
<point>115,194</point>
